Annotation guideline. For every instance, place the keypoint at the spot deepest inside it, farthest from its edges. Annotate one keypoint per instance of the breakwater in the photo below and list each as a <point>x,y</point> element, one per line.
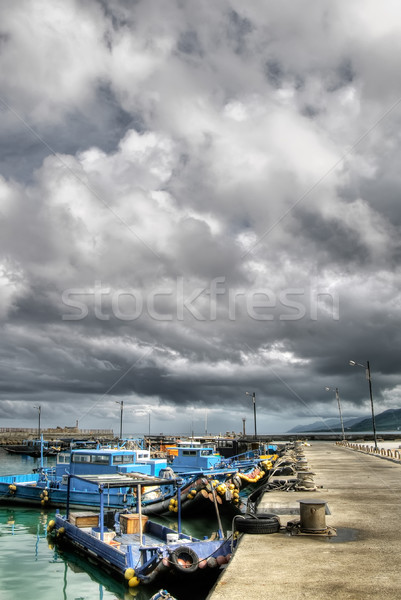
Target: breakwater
<point>15,435</point>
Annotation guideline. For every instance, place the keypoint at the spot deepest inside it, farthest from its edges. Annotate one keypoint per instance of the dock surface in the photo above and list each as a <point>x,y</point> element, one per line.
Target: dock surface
<point>363,562</point>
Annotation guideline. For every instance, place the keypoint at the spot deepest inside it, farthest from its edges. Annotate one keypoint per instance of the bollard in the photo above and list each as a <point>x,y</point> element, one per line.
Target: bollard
<point>312,516</point>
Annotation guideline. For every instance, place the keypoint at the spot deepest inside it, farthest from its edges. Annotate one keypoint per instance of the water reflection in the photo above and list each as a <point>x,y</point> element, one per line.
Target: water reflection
<point>27,555</point>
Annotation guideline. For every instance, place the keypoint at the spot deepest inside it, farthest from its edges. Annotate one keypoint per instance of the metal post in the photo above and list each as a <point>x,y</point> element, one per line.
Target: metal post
<point>101,515</point>
<point>121,403</point>
<point>41,451</point>
<point>371,403</point>
<point>254,410</point>
<point>369,378</point>
<point>179,508</point>
<point>341,416</point>
<point>67,510</point>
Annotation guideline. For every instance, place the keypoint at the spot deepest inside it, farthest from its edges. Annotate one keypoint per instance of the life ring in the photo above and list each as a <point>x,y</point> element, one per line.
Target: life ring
<point>263,523</point>
<point>184,559</point>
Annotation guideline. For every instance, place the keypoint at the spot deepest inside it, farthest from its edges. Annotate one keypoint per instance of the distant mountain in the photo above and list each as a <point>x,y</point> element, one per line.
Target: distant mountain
<point>326,425</point>
<point>389,420</point>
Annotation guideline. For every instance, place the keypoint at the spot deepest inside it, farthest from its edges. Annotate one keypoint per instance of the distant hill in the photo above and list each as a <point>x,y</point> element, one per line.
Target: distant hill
<point>389,420</point>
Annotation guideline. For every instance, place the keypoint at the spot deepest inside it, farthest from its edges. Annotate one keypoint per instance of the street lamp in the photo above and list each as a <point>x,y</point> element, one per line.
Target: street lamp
<point>39,411</point>
<point>121,403</point>
<point>254,407</point>
<point>329,389</point>
<point>369,378</point>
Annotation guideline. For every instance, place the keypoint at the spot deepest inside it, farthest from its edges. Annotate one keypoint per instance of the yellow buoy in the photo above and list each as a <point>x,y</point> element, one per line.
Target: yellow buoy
<point>133,582</point>
<point>129,573</point>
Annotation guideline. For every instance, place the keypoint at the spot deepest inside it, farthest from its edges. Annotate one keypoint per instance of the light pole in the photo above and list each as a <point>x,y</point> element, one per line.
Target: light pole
<point>254,408</point>
<point>121,403</point>
<point>328,389</point>
<point>369,378</point>
<point>39,411</point>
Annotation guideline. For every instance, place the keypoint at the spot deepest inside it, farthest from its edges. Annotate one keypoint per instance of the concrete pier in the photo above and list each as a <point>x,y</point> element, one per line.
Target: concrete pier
<point>363,494</point>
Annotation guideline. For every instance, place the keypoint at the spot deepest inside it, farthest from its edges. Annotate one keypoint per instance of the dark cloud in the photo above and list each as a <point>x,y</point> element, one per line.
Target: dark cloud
<point>198,201</point>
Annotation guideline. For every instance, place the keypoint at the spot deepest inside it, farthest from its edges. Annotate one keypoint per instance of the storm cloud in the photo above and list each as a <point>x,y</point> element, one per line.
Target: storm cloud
<point>198,200</point>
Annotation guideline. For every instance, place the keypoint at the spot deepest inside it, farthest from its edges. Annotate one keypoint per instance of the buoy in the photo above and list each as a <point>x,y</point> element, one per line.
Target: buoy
<point>133,582</point>
<point>129,573</point>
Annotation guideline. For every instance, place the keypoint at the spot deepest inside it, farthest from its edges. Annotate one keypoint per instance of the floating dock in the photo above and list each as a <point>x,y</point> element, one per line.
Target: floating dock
<point>362,562</point>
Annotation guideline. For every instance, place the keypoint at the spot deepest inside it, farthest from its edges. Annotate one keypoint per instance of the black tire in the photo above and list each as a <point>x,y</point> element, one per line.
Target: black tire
<point>181,554</point>
<point>263,523</point>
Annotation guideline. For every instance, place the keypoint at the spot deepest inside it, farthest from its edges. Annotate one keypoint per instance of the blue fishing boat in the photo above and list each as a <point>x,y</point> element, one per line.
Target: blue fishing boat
<point>208,480</point>
<point>48,487</point>
<point>133,547</point>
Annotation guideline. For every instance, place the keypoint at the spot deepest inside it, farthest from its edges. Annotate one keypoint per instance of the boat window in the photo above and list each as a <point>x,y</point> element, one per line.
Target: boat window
<point>100,459</point>
<point>80,458</point>
<point>189,452</point>
<point>206,452</point>
<point>63,458</point>
<point>117,459</point>
<point>128,458</point>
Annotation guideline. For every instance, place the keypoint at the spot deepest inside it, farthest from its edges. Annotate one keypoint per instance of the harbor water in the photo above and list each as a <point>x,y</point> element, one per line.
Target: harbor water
<point>32,568</point>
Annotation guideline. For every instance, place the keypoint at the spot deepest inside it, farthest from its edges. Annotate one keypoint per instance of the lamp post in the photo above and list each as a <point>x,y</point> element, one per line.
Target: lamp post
<point>121,403</point>
<point>328,389</point>
<point>369,378</point>
<point>39,411</point>
<point>254,409</point>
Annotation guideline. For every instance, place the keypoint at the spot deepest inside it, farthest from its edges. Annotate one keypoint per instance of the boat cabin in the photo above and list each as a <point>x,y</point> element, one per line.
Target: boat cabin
<point>103,461</point>
<point>194,458</point>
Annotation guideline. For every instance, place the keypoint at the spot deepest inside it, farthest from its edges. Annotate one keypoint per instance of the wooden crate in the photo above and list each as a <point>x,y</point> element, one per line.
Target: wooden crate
<point>130,523</point>
<point>84,519</point>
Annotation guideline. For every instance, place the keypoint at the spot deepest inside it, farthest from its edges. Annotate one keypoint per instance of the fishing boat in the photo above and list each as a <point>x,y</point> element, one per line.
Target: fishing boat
<point>48,487</point>
<point>34,448</point>
<point>130,545</point>
<point>206,480</point>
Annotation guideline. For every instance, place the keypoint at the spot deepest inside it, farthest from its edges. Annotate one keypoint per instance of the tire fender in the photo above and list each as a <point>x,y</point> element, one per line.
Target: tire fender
<point>184,559</point>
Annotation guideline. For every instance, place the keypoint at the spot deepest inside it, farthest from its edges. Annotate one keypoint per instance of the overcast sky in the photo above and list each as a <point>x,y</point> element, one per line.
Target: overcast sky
<point>198,199</point>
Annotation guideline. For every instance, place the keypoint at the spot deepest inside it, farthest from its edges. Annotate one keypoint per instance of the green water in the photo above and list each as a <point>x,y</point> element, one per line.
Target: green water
<point>31,568</point>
